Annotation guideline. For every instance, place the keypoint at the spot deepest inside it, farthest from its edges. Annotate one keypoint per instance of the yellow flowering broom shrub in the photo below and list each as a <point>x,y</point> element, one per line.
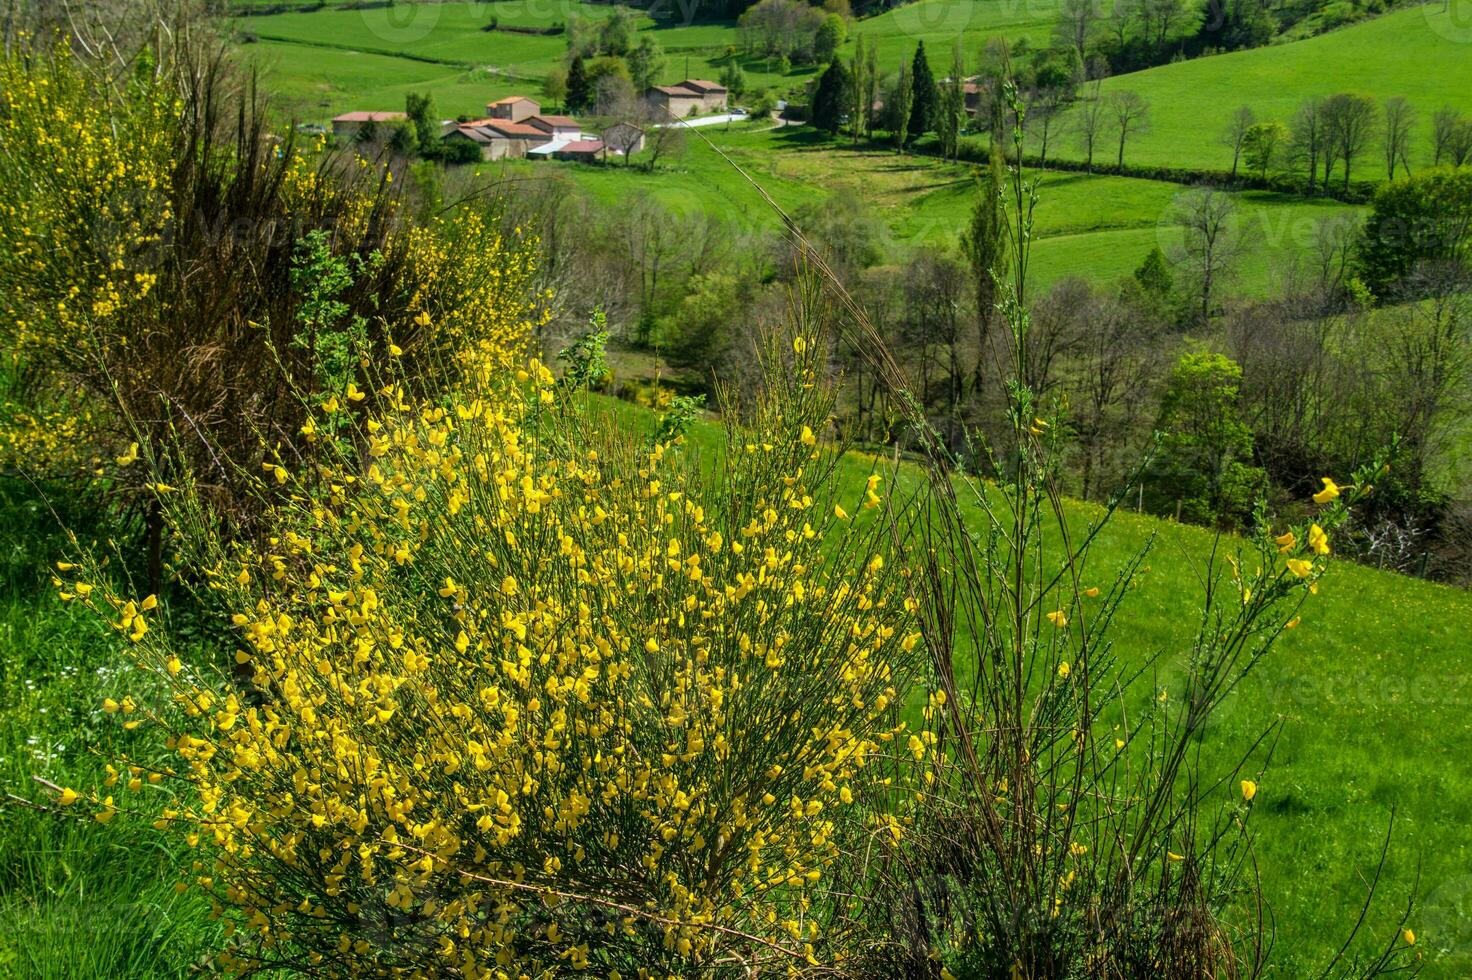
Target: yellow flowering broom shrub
<point>200,286</point>
<point>518,695</point>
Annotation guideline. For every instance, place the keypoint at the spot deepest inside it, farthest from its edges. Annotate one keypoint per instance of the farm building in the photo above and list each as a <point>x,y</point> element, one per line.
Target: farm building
<point>349,123</point>
<point>686,98</point>
<point>513,108</point>
<point>585,151</point>
<point>499,139</point>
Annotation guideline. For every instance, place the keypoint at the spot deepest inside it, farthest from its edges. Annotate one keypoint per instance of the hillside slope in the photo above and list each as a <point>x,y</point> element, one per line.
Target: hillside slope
<point>1371,692</point>
<point>1422,53</point>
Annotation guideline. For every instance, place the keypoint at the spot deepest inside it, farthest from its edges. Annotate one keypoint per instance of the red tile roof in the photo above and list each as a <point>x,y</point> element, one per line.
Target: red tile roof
<point>582,146</point>
<point>553,122</point>
<point>512,98</point>
<point>369,117</point>
<point>514,130</point>
<point>701,85</point>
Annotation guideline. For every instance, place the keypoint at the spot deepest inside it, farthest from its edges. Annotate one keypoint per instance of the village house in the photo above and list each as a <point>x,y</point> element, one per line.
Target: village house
<point>513,108</point>
<point>556,127</point>
<point>499,139</point>
<point>348,124</point>
<point>687,98</point>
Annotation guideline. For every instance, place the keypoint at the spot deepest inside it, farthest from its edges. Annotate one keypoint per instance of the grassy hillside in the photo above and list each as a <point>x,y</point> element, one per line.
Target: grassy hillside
<point>435,45</point>
<point>1370,692</point>
<point>1096,227</point>
<point>334,60</point>
<point>1421,53</point>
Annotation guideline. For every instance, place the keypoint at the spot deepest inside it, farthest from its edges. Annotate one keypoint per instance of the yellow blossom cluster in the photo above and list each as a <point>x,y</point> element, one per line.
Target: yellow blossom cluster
<point>516,696</point>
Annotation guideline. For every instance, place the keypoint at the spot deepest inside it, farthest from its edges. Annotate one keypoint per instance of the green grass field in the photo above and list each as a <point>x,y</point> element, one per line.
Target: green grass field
<point>334,60</point>
<point>1372,692</point>
<point>1096,227</point>
<point>1422,53</point>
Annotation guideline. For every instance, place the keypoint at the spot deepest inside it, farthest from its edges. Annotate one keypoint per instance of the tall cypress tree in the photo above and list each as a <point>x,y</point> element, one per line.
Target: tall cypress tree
<point>579,86</point>
<point>831,98</point>
<point>924,102</point>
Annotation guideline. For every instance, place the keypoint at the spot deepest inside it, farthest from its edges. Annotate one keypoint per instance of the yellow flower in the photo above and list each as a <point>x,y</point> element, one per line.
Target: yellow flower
<point>1092,592</point>
<point>1249,790</point>
<point>1057,618</point>
<point>68,796</point>
<point>1301,568</point>
<point>1330,491</point>
<point>1409,935</point>
<point>839,512</point>
<point>1173,856</point>
<point>1286,542</point>
<point>1318,540</point>
<point>1291,624</point>
<point>1064,670</point>
<point>808,439</point>
<point>799,345</point>
<point>131,456</point>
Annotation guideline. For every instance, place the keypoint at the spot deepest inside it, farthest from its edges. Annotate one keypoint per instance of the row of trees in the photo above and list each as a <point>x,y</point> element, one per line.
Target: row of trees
<point>1113,360</point>
<point>1341,131</point>
<point>914,103</point>
<point>794,30</point>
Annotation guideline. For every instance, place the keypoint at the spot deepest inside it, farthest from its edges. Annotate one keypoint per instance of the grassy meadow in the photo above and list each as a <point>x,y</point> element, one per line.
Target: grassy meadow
<point>1422,53</point>
<point>1370,696</point>
<point>436,47</point>
<point>1097,227</point>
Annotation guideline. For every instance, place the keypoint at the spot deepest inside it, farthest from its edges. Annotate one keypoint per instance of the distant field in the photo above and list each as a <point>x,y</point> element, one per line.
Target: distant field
<point>1099,228</point>
<point>453,33</point>
<point>1423,54</point>
<point>314,84</point>
<point>397,45</point>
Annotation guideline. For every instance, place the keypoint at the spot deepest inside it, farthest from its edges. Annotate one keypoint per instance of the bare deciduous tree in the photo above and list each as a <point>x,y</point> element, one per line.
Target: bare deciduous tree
<point>1400,119</point>
<point>1131,114</point>
<point>1089,123</point>
<point>1237,126</point>
<point>1451,137</point>
<point>1349,123</point>
<point>1211,242</point>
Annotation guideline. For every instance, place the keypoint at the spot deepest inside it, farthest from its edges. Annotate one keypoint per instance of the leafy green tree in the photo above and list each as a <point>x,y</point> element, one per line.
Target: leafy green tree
<point>950,113</point>
<point>1154,276</point>
<point>419,107</point>
<point>734,79</point>
<point>829,36</point>
<point>1203,469</point>
<point>1420,219</point>
<point>1262,144</point>
<point>646,61</point>
<point>702,331</point>
<point>554,86</point>
<point>616,33</point>
<point>831,97</point>
<point>579,86</point>
<point>898,108</point>
<point>858,112</point>
<point>924,100</point>
<point>985,245</point>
